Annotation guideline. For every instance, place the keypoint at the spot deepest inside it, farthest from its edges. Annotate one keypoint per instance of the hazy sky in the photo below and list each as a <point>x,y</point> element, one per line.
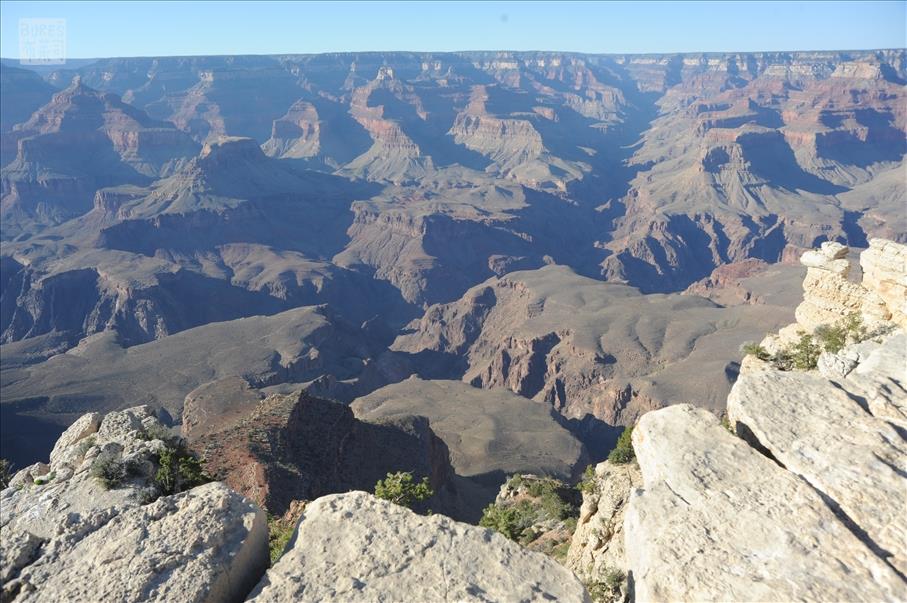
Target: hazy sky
<point>105,29</point>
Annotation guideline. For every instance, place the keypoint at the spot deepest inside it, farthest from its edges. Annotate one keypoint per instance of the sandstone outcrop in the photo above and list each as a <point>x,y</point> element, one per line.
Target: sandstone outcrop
<point>884,266</point>
<point>92,525</point>
<point>828,295</point>
<point>356,547</point>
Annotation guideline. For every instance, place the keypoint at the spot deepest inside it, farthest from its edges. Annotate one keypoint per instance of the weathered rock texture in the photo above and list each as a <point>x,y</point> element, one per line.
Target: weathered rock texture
<point>598,542</point>
<point>355,547</point>
<point>67,537</point>
<point>207,544</point>
<point>717,521</point>
<point>808,502</point>
<point>828,294</point>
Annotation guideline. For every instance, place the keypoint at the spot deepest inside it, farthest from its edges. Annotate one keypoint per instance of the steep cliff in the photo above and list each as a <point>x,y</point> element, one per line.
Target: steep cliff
<point>800,494</point>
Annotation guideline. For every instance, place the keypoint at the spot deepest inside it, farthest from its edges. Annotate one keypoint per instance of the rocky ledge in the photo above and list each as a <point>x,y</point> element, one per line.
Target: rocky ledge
<point>799,493</point>
<point>116,516</point>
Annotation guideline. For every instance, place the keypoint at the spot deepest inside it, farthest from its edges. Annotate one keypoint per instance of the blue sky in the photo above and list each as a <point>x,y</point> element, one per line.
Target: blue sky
<point>104,29</point>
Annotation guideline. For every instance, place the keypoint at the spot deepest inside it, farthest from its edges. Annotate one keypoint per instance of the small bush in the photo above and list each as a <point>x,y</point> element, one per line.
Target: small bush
<point>400,488</point>
<point>279,534</point>
<point>108,470</point>
<point>726,423</point>
<point>179,470</point>
<point>45,479</point>
<point>754,349</point>
<point>156,432</point>
<point>608,588</point>
<point>587,484</point>
<point>805,353</point>
<point>85,445</point>
<point>832,338</point>
<point>623,451</point>
<point>510,520</point>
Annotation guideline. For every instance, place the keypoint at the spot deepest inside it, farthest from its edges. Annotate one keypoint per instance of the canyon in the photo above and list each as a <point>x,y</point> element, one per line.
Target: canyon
<point>311,272</point>
<point>596,233</point>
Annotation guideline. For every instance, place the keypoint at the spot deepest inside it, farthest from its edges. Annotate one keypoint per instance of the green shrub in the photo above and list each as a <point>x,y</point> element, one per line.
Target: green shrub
<point>805,353</point>
<point>754,349</point>
<point>587,484</point>
<point>179,470</point>
<point>623,450</point>
<point>510,520</point>
<point>849,329</point>
<point>156,432</point>
<point>85,445</point>
<point>45,479</point>
<point>832,338</point>
<point>608,587</point>
<point>401,489</point>
<point>279,534</point>
<point>108,470</point>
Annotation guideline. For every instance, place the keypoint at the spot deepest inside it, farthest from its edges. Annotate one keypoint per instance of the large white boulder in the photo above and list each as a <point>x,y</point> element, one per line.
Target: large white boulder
<point>206,544</point>
<point>718,521</point>
<point>356,547</point>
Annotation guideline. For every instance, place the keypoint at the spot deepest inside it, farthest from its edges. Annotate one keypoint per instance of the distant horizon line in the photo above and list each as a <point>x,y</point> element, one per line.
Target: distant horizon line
<point>441,52</point>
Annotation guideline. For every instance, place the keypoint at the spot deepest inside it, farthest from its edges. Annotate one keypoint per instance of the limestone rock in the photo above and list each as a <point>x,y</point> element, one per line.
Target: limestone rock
<point>817,430</point>
<point>828,295</point>
<point>355,547</point>
<point>885,272</point>
<point>598,542</point>
<point>830,256</point>
<point>717,521</point>
<point>49,500</point>
<point>880,377</point>
<point>207,544</point>
<point>82,428</point>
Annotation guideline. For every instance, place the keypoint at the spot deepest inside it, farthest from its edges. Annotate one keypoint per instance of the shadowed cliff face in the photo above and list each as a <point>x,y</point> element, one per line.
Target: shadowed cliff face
<point>143,198</point>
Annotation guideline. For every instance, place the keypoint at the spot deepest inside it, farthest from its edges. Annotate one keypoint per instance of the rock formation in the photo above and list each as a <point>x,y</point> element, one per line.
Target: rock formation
<point>71,531</point>
<point>523,434</point>
<point>806,501</point>
<point>587,348</point>
<point>356,547</point>
<point>598,541</point>
<point>718,521</point>
<point>298,447</point>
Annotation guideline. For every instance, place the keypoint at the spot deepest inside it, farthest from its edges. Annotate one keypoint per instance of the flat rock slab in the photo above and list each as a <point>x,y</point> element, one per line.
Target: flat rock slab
<point>355,547</point>
<point>817,431</point>
<point>717,521</point>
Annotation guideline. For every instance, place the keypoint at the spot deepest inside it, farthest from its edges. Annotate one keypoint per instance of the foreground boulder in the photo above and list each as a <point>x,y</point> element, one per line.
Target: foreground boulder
<point>207,544</point>
<point>830,437</point>
<point>718,521</point>
<point>355,547</point>
<point>96,523</point>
